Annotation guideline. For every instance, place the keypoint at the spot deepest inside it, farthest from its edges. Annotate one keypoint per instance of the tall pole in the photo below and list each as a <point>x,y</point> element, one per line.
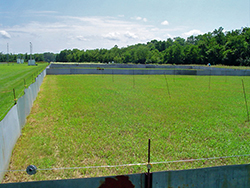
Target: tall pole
<point>30,51</point>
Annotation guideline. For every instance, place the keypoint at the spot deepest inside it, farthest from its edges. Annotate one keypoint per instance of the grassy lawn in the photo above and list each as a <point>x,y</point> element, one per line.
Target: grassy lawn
<point>12,76</point>
<point>92,120</point>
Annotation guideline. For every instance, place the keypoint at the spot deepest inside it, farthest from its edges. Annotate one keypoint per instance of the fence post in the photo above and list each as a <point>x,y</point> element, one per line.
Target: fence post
<point>148,183</point>
<point>209,84</point>
<point>113,75</point>
<point>24,81</point>
<point>133,78</point>
<point>167,85</point>
<point>14,93</point>
<point>244,91</point>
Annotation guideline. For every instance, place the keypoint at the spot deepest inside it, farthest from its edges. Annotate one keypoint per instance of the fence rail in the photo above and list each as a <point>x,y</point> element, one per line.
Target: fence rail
<point>213,177</point>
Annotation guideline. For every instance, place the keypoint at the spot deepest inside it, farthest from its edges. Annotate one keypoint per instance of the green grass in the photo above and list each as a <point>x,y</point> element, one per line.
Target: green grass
<point>92,120</point>
<point>12,76</point>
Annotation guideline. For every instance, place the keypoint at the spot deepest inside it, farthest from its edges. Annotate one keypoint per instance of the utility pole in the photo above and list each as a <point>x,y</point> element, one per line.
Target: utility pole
<point>30,51</point>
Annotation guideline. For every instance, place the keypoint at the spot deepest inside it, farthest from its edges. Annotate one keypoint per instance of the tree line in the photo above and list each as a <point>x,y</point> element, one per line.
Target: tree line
<point>47,56</point>
<point>217,47</point>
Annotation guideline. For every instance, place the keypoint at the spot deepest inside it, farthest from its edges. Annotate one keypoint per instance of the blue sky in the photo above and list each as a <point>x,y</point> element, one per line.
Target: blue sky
<point>54,25</point>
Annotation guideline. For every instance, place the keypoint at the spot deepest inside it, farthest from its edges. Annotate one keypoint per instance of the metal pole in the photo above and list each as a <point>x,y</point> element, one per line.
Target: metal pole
<point>133,78</point>
<point>167,85</point>
<point>209,80</point>
<point>24,83</point>
<point>174,73</point>
<point>30,50</point>
<point>148,153</point>
<point>14,93</point>
<point>225,75</point>
<point>149,166</point>
<point>113,75</point>
<point>245,99</point>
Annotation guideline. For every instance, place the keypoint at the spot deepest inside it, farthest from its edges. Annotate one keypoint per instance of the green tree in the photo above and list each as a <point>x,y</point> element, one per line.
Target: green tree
<point>62,56</point>
<point>192,55</point>
<point>174,54</point>
<point>179,40</point>
<point>141,54</point>
<point>235,49</point>
<point>155,57</point>
<point>49,57</point>
<point>38,57</point>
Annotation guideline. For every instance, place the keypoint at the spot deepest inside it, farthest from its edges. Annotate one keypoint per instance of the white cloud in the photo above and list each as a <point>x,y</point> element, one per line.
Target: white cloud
<point>5,34</point>
<point>192,32</point>
<point>89,32</point>
<point>115,36</point>
<point>81,38</point>
<point>130,35</point>
<point>165,22</point>
<point>41,12</point>
<point>138,18</point>
<point>154,29</point>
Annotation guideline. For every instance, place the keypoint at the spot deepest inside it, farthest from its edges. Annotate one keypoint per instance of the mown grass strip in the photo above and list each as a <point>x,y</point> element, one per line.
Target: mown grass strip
<point>15,76</point>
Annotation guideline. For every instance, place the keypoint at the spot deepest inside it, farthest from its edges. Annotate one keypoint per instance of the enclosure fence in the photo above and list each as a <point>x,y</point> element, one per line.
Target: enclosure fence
<point>13,122</point>
<point>213,177</point>
<point>134,164</point>
<point>140,69</point>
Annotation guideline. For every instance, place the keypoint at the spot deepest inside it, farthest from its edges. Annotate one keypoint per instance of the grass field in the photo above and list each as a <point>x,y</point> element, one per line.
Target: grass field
<point>12,76</point>
<point>92,120</point>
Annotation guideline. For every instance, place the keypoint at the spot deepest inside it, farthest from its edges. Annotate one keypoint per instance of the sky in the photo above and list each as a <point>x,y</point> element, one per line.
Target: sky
<point>55,25</point>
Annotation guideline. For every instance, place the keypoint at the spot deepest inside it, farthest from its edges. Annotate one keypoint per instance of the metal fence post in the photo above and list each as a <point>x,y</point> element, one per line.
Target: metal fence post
<point>148,175</point>
<point>244,91</point>
<point>14,93</point>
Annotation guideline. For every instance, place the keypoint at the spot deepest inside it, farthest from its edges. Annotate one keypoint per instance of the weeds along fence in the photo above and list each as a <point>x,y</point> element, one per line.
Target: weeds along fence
<point>12,124</point>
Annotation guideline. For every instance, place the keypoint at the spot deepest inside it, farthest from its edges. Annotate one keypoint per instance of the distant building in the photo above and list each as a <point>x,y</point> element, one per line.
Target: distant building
<point>32,62</point>
<point>19,61</point>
